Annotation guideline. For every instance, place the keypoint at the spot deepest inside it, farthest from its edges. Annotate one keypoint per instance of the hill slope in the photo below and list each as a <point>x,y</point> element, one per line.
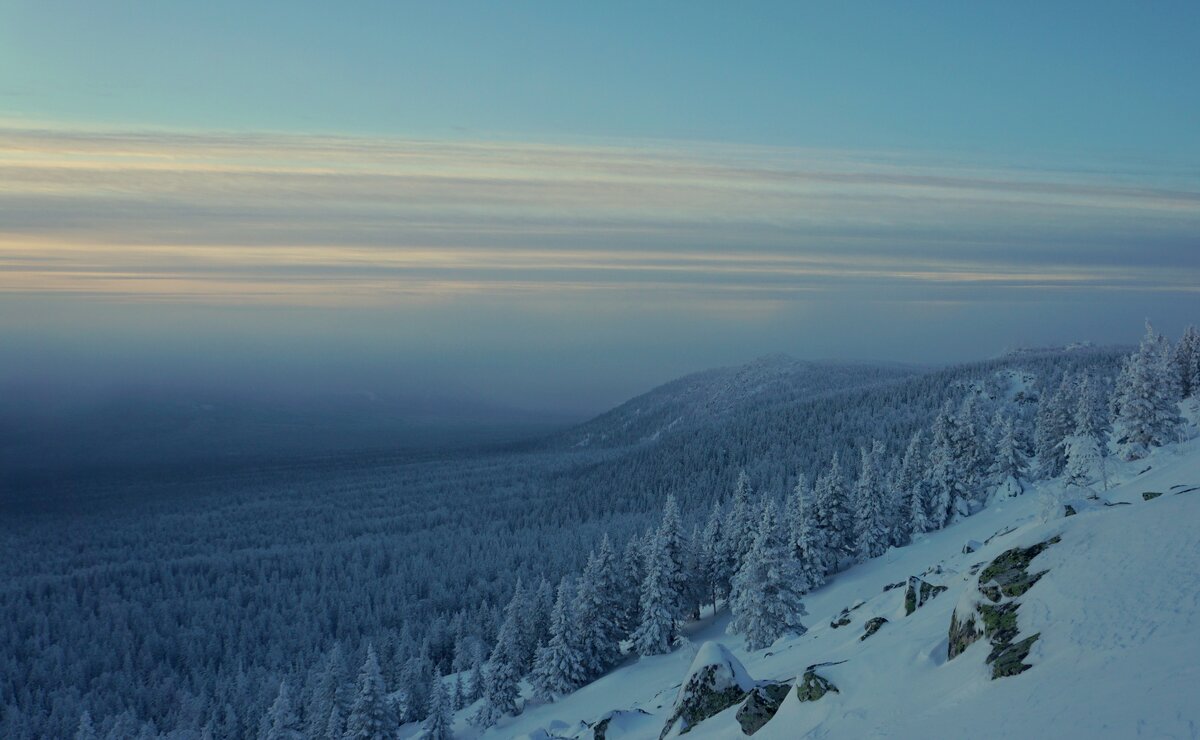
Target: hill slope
<point>1117,614</point>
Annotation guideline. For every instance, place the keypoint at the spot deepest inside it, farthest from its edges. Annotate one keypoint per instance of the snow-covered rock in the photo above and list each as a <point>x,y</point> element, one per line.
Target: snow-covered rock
<point>715,682</point>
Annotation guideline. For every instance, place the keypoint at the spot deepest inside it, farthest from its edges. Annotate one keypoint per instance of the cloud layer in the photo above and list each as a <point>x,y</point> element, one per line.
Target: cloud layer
<point>231,219</point>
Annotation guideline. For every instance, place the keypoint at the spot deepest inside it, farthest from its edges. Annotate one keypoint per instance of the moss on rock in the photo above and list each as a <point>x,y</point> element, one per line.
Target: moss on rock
<point>813,686</point>
<point>760,705</point>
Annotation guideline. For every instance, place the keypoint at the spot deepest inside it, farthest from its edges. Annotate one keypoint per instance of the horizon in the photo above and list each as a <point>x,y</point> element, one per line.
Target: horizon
<point>419,206</point>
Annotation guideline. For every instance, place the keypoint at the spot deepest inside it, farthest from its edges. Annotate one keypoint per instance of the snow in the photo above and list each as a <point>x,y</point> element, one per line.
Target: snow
<point>1118,612</point>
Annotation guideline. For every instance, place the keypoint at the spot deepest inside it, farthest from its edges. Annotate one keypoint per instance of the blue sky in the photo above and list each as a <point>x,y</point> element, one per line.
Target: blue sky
<point>555,205</point>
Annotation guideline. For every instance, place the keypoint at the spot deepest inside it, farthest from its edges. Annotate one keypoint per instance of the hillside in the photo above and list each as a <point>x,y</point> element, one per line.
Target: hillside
<point>1116,613</point>
<point>710,396</point>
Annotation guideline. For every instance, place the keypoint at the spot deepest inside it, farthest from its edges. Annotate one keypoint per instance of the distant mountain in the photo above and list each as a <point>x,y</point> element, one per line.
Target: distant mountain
<point>707,397</point>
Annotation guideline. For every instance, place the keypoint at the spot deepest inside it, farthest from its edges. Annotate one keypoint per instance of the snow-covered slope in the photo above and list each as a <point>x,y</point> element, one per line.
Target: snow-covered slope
<point>1117,614</point>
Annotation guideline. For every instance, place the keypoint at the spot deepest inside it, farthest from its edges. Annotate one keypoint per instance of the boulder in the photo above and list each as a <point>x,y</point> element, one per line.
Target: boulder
<point>715,682</point>
<point>760,705</point>
<point>812,686</point>
<point>872,626</point>
<point>918,592</point>
<point>971,546</point>
<point>1150,495</point>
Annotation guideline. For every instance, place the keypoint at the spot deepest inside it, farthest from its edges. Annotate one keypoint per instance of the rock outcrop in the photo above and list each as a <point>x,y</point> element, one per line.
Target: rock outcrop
<point>918,592</point>
<point>760,705</point>
<point>812,686</point>
<point>715,682</point>
<point>872,626</point>
<point>1001,584</point>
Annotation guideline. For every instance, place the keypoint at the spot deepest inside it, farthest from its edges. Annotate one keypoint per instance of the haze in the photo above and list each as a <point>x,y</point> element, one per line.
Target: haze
<point>540,210</point>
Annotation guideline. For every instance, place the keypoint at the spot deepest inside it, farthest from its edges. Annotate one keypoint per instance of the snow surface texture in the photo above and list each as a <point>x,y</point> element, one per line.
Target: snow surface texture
<point>1118,612</point>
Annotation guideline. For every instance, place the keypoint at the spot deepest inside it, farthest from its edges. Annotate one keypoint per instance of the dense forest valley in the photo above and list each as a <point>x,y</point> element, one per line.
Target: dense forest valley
<point>313,599</point>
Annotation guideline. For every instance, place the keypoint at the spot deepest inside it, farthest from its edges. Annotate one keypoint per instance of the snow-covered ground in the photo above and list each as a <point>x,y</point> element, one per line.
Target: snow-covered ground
<point>1118,656</point>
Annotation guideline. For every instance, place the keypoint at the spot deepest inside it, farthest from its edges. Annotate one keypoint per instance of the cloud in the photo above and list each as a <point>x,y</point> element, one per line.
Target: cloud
<point>308,220</point>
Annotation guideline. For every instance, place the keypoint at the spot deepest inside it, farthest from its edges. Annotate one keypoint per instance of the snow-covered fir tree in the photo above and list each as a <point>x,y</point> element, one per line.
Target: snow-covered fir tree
<point>912,487</point>
<point>502,674</point>
<point>1187,362</point>
<point>710,556</point>
<point>1052,427</point>
<point>1009,465</point>
<point>282,721</point>
<point>802,534</point>
<point>438,714</point>
<point>86,730</point>
<point>835,523</point>
<point>1088,442</point>
<point>942,479</point>
<point>970,458</point>
<point>767,590</point>
<point>670,534</point>
<point>370,718</point>
<point>870,499</point>
<point>1144,402</point>
<point>738,525</point>
<point>656,629</point>
<point>561,665</point>
<point>329,694</point>
<point>597,632</point>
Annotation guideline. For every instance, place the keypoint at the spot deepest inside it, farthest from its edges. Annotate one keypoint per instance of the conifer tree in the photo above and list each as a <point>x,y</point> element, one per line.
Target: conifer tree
<point>711,562</point>
<point>560,667</point>
<point>803,537</point>
<point>657,628</point>
<point>738,524</point>
<point>835,524</point>
<point>1053,426</point>
<point>871,530</point>
<point>1145,398</point>
<point>942,474</point>
<point>282,722</point>
<point>502,674</point>
<point>911,485</point>
<point>596,611</point>
<point>86,730</point>
<point>766,599</point>
<point>670,534</point>
<point>369,715</point>
<point>1009,465</point>
<point>438,715</point>
<point>1085,447</point>
<point>329,694</point>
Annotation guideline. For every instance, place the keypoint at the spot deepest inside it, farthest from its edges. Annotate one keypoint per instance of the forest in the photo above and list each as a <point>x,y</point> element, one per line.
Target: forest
<point>345,600</point>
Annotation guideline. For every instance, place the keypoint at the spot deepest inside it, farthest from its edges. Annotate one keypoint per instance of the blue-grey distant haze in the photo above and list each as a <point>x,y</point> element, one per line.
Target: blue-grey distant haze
<point>538,210</point>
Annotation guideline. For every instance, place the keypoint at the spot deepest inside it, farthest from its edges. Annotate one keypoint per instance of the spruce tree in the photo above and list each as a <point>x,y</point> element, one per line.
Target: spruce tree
<point>710,549</point>
<point>738,524</point>
<point>766,599</point>
<point>1186,361</point>
<point>86,730</point>
<point>656,629</point>
<point>561,665</point>
<point>369,717</point>
<point>438,715</point>
<point>1053,426</point>
<point>942,473</point>
<point>597,633</point>
<point>1009,465</point>
<point>911,485</point>
<point>1145,397</point>
<point>502,675</point>
<point>835,524</point>
<point>282,722</point>
<point>329,694</point>
<point>803,537</point>
<point>870,525</point>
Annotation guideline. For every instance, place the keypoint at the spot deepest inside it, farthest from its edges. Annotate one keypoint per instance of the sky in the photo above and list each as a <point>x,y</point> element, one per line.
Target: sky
<point>555,206</point>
